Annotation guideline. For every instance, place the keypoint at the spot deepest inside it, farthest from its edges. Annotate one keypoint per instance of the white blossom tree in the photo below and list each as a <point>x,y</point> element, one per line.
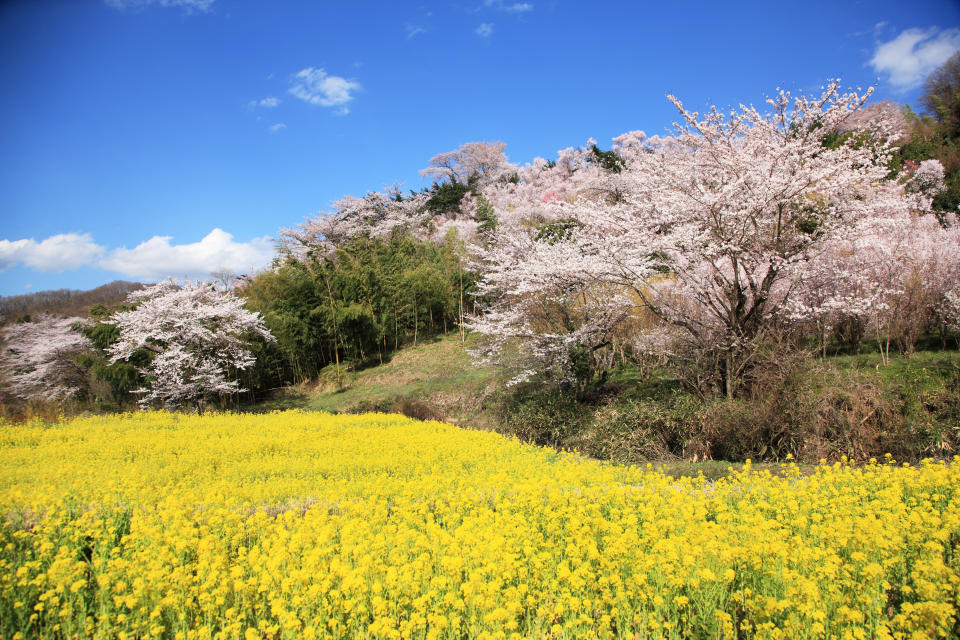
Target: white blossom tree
<point>948,311</point>
<point>892,278</point>
<point>380,213</point>
<point>889,275</point>
<point>376,214</point>
<point>714,229</point>
<point>547,295</point>
<point>484,162</point>
<point>39,359</point>
<point>198,334</point>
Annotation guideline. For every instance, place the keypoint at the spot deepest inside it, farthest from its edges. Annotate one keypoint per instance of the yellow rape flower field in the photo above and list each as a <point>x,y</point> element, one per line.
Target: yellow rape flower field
<point>308,525</point>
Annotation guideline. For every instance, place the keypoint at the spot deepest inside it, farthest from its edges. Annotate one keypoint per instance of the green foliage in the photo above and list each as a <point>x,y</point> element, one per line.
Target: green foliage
<point>842,406</point>
<point>359,329</point>
<point>486,216</point>
<point>609,160</point>
<point>937,134</point>
<point>355,306</point>
<point>548,417</point>
<point>941,93</point>
<point>445,197</point>
<point>581,365</point>
<point>112,384</point>
<point>101,333</point>
<point>558,230</point>
<point>930,139</point>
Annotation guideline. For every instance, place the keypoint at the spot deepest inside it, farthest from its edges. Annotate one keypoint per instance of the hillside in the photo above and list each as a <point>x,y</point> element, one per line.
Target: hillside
<point>64,302</point>
<point>843,405</point>
<point>433,380</point>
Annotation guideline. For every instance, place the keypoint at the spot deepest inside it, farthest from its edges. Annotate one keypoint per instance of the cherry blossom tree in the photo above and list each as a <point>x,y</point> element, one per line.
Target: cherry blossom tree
<point>893,279</point>
<point>546,294</point>
<point>39,359</point>
<point>379,213</point>
<point>927,178</point>
<point>889,275</point>
<point>551,302</point>
<point>948,311</point>
<point>892,113</point>
<point>483,162</point>
<point>199,335</point>
<point>712,229</point>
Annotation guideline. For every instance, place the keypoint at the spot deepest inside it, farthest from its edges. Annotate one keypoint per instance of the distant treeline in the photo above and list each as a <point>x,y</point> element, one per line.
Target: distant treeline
<point>63,302</point>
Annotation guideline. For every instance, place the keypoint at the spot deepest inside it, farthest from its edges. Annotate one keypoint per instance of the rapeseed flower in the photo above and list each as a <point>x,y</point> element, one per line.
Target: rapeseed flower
<point>307,525</point>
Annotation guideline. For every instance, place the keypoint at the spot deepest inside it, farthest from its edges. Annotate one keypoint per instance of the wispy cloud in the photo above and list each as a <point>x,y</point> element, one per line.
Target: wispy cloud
<point>910,57</point>
<point>414,30</point>
<point>157,258</point>
<point>277,127</point>
<point>485,30</point>
<point>189,6</point>
<point>268,103</point>
<point>511,7</point>
<point>318,87</point>
<point>57,253</point>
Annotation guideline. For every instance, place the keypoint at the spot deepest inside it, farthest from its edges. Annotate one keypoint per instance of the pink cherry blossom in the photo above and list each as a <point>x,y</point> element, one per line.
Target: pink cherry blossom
<point>723,231</point>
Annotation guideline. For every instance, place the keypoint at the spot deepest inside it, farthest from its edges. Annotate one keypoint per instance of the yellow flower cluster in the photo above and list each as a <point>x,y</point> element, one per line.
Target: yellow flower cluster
<point>307,525</point>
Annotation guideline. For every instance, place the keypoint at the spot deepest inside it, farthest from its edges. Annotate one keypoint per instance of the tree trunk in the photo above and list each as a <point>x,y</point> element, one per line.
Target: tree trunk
<point>729,375</point>
<point>460,310</point>
<point>333,318</point>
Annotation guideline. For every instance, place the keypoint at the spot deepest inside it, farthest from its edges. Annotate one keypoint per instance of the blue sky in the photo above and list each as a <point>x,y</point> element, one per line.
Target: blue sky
<point>144,138</point>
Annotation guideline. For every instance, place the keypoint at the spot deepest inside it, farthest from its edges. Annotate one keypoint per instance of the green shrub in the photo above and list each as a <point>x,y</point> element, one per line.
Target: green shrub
<point>637,430</point>
<point>546,416</point>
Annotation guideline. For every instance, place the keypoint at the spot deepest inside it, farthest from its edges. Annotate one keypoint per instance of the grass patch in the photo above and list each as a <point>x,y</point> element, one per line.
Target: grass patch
<point>844,405</point>
<point>436,379</point>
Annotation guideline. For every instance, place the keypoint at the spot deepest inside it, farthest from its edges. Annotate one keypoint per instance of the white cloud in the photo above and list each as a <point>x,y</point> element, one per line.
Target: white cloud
<point>188,6</point>
<point>277,127</point>
<point>57,253</point>
<point>316,86</point>
<point>156,258</point>
<point>268,103</point>
<point>910,57</point>
<point>413,30</point>
<point>515,7</point>
<point>485,30</point>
